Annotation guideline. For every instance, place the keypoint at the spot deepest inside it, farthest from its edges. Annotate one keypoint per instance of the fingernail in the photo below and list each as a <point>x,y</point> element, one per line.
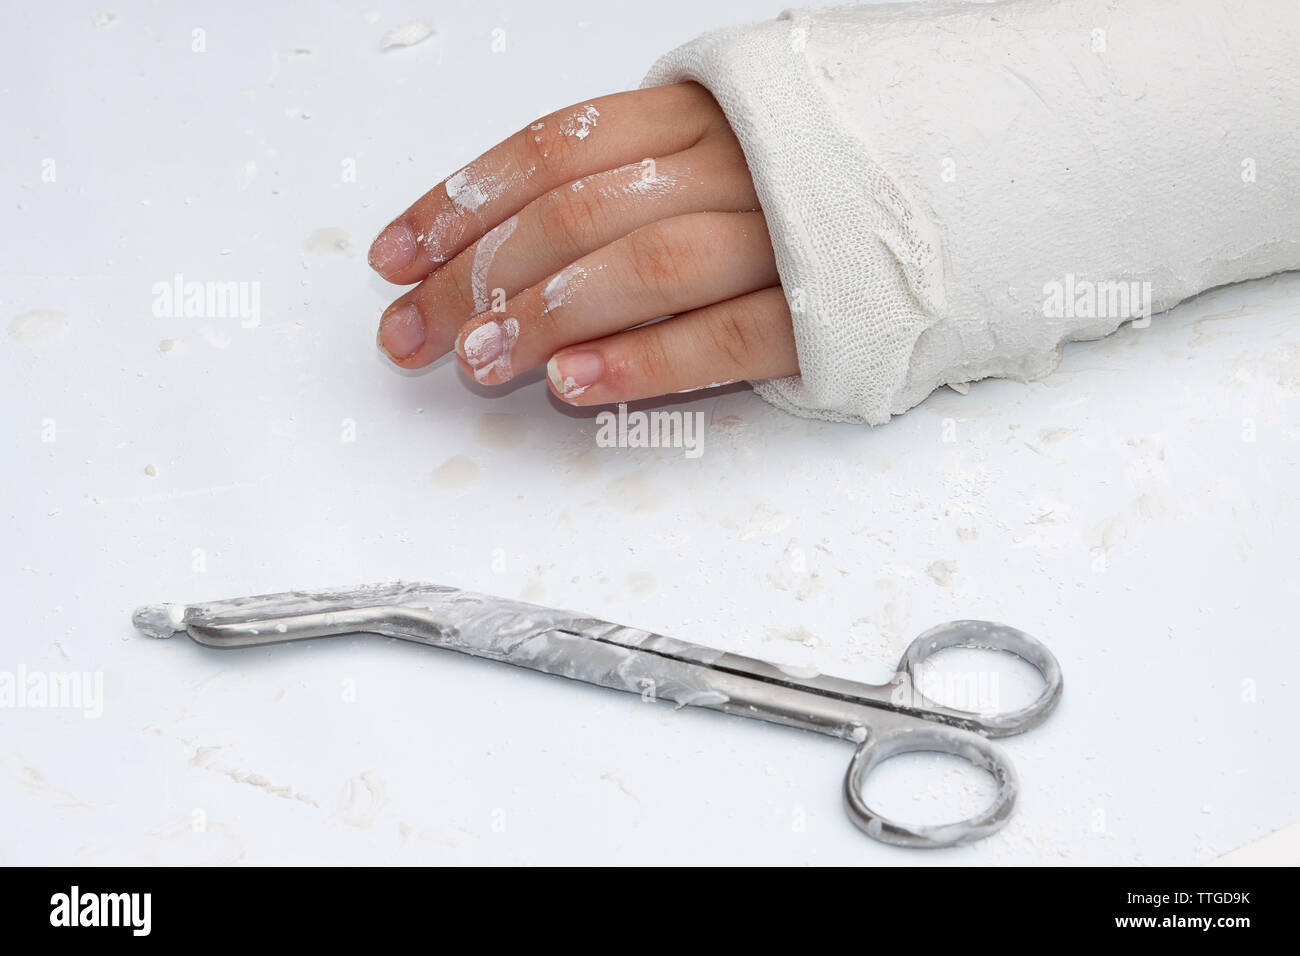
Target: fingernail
<point>393,250</point>
<point>575,372</point>
<point>401,332</point>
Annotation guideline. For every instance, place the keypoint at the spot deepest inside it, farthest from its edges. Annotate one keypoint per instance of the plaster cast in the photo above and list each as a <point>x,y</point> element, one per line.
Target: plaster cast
<point>954,190</point>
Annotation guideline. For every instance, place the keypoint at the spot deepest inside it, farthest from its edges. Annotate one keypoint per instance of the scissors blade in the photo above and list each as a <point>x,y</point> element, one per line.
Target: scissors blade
<point>549,640</point>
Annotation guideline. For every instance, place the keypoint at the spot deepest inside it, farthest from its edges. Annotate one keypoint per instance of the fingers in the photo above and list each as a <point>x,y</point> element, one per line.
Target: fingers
<point>571,143</point>
<point>555,230</point>
<point>749,337</point>
<point>668,267</point>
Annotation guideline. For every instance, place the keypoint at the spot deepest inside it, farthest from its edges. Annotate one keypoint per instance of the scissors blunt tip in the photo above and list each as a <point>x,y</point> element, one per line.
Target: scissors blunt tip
<point>159,621</point>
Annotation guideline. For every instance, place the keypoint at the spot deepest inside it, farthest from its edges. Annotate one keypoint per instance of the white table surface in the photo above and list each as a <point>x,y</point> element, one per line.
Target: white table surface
<point>808,543</point>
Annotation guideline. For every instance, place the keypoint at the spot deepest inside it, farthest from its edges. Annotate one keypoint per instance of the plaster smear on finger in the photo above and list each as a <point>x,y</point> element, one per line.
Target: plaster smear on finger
<point>700,388</point>
<point>635,180</point>
<point>567,386</point>
<point>446,230</point>
<point>484,253</point>
<point>487,337</point>
<point>469,189</point>
<point>466,190</point>
<point>562,285</point>
<point>580,124</point>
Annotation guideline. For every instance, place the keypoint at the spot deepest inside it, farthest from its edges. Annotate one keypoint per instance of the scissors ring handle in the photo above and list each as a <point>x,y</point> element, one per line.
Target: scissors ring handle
<point>993,636</point>
<point>937,738</point>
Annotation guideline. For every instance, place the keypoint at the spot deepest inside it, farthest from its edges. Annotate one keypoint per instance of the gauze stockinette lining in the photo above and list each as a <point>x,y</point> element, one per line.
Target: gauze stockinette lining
<point>955,190</point>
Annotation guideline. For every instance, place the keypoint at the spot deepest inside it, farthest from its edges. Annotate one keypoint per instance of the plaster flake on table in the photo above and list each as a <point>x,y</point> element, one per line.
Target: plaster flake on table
<point>797,635</point>
<point>636,493</point>
<point>245,175</point>
<point>941,572</point>
<point>456,474</point>
<point>1050,436</point>
<point>642,584</point>
<point>536,589</point>
<point>501,430</point>
<point>1110,533</point>
<point>610,777</point>
<point>732,427</point>
<point>765,519</point>
<point>205,758</point>
<point>408,34</point>
<point>34,780</point>
<point>365,800</point>
<point>217,338</point>
<point>793,575</point>
<point>328,240</point>
<point>38,328</point>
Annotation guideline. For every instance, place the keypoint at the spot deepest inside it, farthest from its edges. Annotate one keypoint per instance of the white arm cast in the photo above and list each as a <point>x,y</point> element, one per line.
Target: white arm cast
<point>954,190</point>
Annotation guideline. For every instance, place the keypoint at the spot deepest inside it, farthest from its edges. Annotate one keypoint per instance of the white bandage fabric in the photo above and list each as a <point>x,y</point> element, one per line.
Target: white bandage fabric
<point>955,189</point>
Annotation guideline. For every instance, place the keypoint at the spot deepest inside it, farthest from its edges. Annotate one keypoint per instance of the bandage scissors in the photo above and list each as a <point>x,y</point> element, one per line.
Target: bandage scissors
<point>883,720</point>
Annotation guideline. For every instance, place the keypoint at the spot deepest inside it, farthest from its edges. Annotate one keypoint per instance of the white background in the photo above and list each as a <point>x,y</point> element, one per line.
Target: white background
<point>1116,509</point>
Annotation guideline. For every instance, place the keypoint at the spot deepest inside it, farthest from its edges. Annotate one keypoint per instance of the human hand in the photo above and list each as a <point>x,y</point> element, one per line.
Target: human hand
<point>560,243</point>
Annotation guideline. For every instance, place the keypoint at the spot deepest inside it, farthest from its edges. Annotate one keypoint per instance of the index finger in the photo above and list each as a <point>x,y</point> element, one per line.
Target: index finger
<point>568,144</point>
